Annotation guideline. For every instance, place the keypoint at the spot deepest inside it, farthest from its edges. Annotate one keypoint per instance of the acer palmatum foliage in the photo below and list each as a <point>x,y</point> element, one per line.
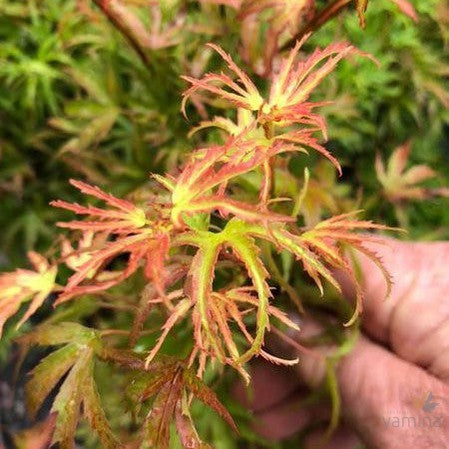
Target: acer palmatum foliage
<point>26,285</point>
<point>194,224</point>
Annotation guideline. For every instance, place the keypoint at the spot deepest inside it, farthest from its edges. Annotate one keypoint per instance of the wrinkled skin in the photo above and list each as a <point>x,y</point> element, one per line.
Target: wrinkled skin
<point>401,357</point>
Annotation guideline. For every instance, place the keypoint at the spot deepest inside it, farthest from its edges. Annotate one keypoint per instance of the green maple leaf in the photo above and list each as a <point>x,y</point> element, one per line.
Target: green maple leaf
<point>78,390</point>
<point>171,384</point>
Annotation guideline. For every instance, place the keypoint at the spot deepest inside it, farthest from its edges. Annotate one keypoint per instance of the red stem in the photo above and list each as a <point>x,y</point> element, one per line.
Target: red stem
<point>317,21</point>
<point>129,25</point>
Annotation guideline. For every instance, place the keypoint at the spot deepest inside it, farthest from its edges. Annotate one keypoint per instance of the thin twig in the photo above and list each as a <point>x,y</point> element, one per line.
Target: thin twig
<point>118,332</point>
<point>130,26</point>
<point>317,21</point>
<point>293,343</point>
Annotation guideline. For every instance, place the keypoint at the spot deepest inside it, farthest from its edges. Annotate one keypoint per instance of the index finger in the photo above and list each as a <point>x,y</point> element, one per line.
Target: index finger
<point>414,320</point>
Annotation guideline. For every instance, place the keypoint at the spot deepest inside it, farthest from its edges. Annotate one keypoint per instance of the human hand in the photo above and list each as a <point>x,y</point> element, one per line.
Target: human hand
<point>394,384</point>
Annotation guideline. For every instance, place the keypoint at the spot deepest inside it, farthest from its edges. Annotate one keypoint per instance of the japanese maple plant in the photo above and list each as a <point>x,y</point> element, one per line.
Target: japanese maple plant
<point>193,251</point>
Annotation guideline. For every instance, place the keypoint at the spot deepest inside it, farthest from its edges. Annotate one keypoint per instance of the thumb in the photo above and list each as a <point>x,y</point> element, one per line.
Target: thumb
<point>383,398</point>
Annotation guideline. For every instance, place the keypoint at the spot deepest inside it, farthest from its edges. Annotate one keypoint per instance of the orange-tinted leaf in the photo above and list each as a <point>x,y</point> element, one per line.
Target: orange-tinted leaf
<point>136,245</point>
<point>295,81</point>
<point>123,217</point>
<point>417,174</point>
<point>238,209</point>
<point>178,313</point>
<point>327,237</point>
<point>25,285</point>
<point>314,267</point>
<point>398,159</point>
<point>156,256</point>
<point>242,93</point>
<point>232,3</point>
<point>286,14</point>
<point>400,184</point>
<point>305,139</point>
<point>407,8</point>
<point>38,437</point>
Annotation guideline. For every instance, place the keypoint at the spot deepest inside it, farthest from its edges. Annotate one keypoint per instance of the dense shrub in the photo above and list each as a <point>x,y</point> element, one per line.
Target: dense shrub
<point>171,277</point>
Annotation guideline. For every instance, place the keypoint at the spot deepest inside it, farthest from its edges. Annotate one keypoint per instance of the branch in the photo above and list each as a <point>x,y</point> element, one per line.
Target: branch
<point>129,25</point>
<point>317,21</point>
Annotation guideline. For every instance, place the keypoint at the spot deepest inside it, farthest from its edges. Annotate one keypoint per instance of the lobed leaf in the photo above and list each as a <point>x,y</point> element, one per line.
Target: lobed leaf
<point>78,388</point>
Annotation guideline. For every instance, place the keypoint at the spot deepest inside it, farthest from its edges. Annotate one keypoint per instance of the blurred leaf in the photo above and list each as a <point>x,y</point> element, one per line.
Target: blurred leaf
<point>38,437</point>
